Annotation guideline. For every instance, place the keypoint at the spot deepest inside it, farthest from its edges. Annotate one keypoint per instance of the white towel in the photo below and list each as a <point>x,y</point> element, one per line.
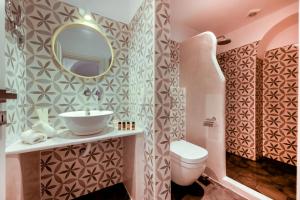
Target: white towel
<point>33,137</point>
<point>43,127</point>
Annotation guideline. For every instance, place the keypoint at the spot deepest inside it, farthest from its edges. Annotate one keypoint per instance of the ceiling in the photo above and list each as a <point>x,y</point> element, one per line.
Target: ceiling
<point>220,16</point>
<point>119,10</point>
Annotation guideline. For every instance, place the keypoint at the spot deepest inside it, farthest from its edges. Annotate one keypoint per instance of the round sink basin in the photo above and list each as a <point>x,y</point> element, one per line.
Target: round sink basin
<point>83,123</point>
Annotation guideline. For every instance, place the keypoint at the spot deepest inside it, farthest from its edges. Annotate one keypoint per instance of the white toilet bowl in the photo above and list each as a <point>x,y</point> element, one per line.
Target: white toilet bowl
<point>188,162</point>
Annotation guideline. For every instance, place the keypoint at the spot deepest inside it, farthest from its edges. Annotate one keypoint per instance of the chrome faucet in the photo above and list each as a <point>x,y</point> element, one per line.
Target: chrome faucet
<point>98,94</point>
<point>88,93</point>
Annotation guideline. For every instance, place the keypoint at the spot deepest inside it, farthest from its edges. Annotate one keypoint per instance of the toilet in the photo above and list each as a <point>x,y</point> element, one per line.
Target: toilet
<point>188,162</point>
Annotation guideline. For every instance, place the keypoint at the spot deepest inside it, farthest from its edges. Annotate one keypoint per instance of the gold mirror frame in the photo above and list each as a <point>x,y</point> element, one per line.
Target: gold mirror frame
<point>80,24</point>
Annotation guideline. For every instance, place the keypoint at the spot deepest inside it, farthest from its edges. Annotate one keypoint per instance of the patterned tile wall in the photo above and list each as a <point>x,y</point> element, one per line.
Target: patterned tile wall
<point>280,104</point>
<point>259,108</point>
<point>15,80</point>
<point>175,63</point>
<point>49,86</point>
<point>67,175</point>
<point>141,88</point>
<point>162,100</point>
<point>273,110</point>
<point>178,113</point>
<point>239,67</point>
<point>178,101</point>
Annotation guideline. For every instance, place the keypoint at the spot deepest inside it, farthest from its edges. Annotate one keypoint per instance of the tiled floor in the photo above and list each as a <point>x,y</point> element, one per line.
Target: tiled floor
<point>272,178</point>
<point>204,190</point>
<point>115,192</point>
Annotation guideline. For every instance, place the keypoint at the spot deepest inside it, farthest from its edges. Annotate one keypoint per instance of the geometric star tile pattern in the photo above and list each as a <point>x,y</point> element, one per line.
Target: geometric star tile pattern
<point>280,104</point>
<point>141,88</point>
<point>261,102</point>
<point>259,108</point>
<point>15,79</point>
<point>47,85</point>
<point>142,63</point>
<point>178,112</point>
<point>239,67</point>
<point>162,100</point>
<point>178,98</point>
<point>66,175</point>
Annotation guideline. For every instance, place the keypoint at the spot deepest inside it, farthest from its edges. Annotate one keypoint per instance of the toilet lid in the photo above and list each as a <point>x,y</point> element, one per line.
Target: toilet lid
<point>187,152</point>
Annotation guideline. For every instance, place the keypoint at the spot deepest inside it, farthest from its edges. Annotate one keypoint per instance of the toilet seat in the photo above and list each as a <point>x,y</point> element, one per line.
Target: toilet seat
<point>187,152</point>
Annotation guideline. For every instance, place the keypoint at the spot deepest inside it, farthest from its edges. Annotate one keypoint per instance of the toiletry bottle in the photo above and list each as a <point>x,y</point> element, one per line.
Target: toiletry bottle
<point>133,126</point>
<point>128,126</point>
<point>119,126</point>
<point>123,126</point>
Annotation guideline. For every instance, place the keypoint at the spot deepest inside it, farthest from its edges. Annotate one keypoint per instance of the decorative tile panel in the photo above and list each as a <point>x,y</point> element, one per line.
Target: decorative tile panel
<point>280,100</point>
<point>177,114</point>
<point>175,63</point>
<point>49,86</point>
<point>259,108</point>
<point>239,67</point>
<point>141,86</point>
<point>15,80</point>
<point>272,111</point>
<point>65,174</point>
<point>162,100</point>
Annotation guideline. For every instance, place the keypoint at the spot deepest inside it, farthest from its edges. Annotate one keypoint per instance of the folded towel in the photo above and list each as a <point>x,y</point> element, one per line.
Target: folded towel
<point>33,137</point>
<point>43,127</point>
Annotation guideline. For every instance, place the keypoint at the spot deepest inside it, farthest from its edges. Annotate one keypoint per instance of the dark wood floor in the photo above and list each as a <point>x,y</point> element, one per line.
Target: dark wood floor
<point>272,178</point>
<point>203,189</point>
<point>115,192</point>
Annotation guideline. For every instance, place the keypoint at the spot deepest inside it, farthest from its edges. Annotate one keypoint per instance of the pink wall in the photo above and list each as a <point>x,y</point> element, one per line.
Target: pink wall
<point>285,37</point>
<point>203,79</point>
<point>133,166</point>
<point>257,29</point>
<point>284,33</point>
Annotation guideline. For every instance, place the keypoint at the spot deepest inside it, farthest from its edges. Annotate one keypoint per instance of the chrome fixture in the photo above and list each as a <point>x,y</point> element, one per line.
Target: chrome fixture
<point>14,21</point>
<point>88,93</point>
<point>210,122</point>
<point>3,119</point>
<point>222,40</point>
<point>253,12</point>
<point>98,94</point>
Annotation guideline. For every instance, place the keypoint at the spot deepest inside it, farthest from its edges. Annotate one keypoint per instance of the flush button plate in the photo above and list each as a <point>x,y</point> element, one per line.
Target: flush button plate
<point>3,119</point>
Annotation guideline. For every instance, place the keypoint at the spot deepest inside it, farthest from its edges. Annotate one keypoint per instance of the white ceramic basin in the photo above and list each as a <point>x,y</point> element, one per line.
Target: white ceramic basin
<point>82,124</point>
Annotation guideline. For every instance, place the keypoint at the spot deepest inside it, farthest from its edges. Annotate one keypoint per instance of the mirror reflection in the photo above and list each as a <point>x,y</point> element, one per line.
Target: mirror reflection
<point>82,50</point>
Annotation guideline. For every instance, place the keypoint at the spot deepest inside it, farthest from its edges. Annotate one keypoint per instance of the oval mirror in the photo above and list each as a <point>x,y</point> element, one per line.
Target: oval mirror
<point>82,49</point>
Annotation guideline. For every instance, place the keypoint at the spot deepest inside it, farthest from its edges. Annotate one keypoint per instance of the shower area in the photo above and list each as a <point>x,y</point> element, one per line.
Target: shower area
<point>259,59</point>
<point>261,115</point>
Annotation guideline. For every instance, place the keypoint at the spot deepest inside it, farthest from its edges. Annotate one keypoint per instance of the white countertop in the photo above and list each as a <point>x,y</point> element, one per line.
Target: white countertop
<point>65,139</point>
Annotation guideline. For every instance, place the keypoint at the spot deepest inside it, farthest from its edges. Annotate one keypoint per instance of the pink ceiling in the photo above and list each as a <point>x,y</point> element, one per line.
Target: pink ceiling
<point>221,16</point>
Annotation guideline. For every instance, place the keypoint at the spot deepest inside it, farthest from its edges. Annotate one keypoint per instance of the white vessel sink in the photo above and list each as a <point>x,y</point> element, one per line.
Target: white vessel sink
<point>82,123</point>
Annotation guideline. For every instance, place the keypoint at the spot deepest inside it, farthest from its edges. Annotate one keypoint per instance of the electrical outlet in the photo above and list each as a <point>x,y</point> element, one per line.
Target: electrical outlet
<point>3,119</point>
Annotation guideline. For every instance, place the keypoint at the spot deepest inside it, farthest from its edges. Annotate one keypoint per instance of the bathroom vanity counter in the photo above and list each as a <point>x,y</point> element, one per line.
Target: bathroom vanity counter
<point>65,139</point>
